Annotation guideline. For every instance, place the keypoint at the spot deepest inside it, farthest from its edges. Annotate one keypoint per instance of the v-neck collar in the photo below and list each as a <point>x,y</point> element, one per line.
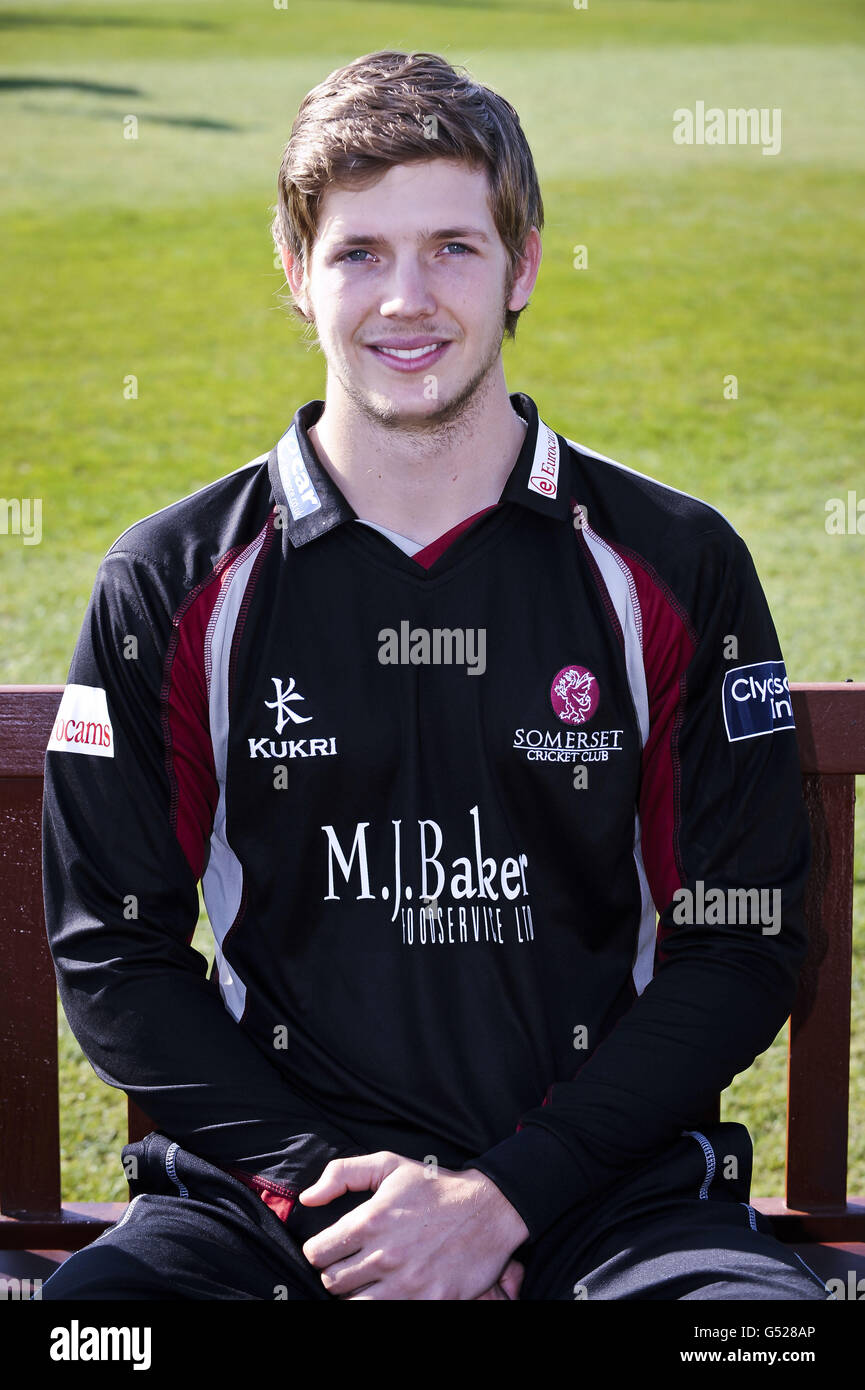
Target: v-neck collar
<point>426,555</point>
<point>405,543</point>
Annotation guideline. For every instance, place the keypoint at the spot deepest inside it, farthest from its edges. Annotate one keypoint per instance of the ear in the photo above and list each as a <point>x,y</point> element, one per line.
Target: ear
<point>526,271</point>
<point>294,274</point>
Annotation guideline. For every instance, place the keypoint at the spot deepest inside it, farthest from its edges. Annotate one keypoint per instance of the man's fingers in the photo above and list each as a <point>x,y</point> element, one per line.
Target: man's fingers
<point>507,1286</point>
<point>360,1173</point>
<point>351,1275</point>
<point>511,1278</point>
<point>363,1173</point>
<point>340,1241</point>
<point>493,1294</point>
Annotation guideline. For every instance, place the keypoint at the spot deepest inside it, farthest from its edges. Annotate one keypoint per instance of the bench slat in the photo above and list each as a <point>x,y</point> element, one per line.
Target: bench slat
<point>830,725</point>
<point>819,1047</point>
<point>29,1103</point>
<point>72,1228</point>
<point>27,713</point>
<point>791,1226</point>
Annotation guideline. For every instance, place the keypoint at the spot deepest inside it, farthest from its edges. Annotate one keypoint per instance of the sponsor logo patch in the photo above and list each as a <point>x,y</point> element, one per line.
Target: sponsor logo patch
<point>82,724</point>
<point>284,713</point>
<point>545,465</point>
<point>756,700</point>
<point>300,494</point>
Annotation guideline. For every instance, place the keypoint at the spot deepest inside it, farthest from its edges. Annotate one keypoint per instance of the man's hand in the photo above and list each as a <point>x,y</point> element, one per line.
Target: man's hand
<point>423,1234</point>
<point>508,1286</point>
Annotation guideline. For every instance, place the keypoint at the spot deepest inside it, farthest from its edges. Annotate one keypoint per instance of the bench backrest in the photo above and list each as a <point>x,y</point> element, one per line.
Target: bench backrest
<point>830,721</point>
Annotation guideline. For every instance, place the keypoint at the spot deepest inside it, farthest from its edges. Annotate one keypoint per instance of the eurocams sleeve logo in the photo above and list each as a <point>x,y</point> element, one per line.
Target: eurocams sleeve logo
<point>82,724</point>
<point>756,700</point>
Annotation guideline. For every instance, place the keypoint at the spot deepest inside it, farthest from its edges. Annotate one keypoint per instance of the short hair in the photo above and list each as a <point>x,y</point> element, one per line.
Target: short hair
<point>391,107</point>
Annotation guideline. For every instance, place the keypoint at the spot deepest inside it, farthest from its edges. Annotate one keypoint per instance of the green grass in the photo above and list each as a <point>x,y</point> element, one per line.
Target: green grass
<point>151,258</point>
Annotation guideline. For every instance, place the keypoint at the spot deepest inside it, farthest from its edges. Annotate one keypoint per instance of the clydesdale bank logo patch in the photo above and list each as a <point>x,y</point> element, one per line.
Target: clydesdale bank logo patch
<point>756,700</point>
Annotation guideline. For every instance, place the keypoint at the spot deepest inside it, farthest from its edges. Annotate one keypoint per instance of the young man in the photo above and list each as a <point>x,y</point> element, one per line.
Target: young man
<point>443,709</point>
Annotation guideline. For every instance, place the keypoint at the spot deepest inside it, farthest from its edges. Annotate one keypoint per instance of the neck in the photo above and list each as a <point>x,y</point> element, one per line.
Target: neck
<point>423,478</point>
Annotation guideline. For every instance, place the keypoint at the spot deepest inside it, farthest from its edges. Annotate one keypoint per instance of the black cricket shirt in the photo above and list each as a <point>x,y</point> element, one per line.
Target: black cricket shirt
<point>448,818</point>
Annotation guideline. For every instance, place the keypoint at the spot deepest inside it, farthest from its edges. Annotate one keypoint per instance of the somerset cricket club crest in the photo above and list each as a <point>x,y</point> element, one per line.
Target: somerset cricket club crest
<point>574,694</point>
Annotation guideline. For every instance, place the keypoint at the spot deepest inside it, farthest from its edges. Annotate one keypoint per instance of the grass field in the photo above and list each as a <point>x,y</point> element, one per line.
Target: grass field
<point>150,258</point>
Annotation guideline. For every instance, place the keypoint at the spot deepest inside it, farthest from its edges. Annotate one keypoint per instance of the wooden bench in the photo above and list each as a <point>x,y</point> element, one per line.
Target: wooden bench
<point>816,1216</point>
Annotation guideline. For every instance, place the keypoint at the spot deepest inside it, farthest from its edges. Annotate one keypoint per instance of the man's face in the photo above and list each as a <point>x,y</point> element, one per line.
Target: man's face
<point>413,264</point>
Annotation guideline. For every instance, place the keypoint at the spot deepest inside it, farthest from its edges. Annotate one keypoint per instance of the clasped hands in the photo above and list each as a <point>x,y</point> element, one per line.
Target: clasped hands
<point>422,1234</point>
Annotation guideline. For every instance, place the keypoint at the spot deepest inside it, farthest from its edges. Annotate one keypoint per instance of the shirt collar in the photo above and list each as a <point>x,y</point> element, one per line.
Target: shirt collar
<point>540,478</point>
<point>309,503</point>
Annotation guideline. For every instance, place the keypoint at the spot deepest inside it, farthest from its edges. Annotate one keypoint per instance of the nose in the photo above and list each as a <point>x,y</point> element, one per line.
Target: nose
<point>407,293</point>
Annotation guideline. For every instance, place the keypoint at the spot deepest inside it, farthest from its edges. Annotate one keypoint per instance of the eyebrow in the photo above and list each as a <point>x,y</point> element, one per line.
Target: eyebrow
<point>440,234</point>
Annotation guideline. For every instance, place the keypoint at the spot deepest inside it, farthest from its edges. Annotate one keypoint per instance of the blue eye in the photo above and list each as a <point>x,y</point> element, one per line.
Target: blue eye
<point>361,251</point>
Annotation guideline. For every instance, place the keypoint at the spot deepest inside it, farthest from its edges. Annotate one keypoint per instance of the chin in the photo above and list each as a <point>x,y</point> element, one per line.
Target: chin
<point>392,410</point>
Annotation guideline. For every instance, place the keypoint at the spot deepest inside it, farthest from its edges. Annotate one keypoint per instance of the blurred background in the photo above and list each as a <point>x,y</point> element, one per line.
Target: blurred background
<point>698,314</point>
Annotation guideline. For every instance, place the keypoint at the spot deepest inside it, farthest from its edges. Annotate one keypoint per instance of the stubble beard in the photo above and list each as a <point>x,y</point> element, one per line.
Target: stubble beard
<point>449,418</point>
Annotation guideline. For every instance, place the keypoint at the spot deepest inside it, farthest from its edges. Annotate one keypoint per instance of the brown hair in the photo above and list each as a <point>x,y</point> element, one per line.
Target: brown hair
<point>390,108</point>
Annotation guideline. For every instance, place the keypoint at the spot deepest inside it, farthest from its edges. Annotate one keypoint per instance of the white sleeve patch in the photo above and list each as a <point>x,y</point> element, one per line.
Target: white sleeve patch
<point>82,724</point>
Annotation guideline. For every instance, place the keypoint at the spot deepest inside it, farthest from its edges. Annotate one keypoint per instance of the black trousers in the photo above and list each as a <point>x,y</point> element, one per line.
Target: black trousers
<point>679,1227</point>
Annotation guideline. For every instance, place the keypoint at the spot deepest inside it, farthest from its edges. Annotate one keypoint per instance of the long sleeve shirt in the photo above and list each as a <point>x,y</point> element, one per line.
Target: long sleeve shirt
<point>502,844</point>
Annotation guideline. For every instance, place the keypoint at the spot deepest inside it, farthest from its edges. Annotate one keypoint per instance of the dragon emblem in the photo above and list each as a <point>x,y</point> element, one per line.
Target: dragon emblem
<point>575,695</point>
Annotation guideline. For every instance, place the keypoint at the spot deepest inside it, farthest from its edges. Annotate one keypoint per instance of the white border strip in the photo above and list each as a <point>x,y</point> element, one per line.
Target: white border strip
<point>222,883</point>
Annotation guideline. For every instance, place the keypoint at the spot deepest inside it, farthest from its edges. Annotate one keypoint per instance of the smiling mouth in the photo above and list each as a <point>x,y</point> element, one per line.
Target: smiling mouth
<point>415,354</point>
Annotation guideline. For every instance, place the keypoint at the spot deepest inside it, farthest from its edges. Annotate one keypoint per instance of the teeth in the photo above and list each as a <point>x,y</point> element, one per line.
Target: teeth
<point>408,353</point>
